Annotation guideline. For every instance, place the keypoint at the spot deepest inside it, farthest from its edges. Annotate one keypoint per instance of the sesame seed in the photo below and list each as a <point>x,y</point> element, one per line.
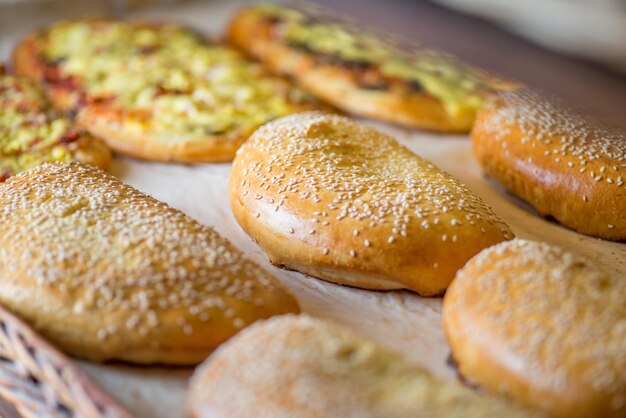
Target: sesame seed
<point>359,193</point>
<point>161,260</point>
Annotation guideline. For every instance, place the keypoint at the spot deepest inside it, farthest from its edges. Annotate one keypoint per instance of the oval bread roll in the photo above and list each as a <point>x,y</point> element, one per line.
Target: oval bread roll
<point>565,164</point>
<point>538,324</point>
<point>300,367</point>
<point>106,272</point>
<point>332,198</point>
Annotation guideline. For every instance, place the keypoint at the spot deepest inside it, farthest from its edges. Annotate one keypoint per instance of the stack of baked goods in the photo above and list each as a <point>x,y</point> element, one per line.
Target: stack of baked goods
<point>107,272</point>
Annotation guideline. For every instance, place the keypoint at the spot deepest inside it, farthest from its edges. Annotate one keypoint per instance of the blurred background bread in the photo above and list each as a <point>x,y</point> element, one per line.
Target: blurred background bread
<point>302,367</point>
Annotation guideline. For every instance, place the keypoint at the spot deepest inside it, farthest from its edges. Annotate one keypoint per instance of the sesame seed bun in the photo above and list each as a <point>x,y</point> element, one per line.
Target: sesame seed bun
<point>540,325</point>
<point>563,163</point>
<point>108,273</point>
<point>335,199</point>
<point>312,368</point>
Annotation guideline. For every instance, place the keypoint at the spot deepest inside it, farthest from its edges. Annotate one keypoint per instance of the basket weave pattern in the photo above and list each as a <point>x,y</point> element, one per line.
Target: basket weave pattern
<point>39,381</point>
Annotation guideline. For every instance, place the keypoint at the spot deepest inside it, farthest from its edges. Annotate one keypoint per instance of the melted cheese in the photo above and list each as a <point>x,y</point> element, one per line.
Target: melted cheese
<point>188,87</point>
<point>28,136</point>
<point>460,88</point>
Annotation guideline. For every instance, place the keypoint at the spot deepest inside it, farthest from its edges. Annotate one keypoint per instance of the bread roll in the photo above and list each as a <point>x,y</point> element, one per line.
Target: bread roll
<point>155,91</point>
<point>362,72</point>
<point>300,367</point>
<point>107,272</point>
<point>30,133</point>
<point>332,198</point>
<point>563,163</point>
<point>533,322</point>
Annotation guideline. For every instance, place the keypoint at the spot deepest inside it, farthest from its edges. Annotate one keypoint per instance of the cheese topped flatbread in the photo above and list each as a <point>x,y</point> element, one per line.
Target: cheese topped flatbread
<point>158,91</point>
<point>30,134</point>
<point>382,76</point>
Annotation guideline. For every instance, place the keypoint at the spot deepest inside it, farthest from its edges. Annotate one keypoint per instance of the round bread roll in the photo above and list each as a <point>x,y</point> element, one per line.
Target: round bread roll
<point>310,368</point>
<point>530,321</point>
<point>106,272</point>
<point>565,164</point>
<point>362,72</point>
<point>332,198</point>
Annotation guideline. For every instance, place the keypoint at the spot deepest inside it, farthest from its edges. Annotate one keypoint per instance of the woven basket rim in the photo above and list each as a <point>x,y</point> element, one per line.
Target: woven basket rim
<point>37,378</point>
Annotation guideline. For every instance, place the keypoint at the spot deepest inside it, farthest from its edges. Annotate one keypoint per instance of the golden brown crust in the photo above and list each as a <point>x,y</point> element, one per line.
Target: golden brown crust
<point>106,123</point>
<point>313,369</point>
<point>106,272</point>
<point>337,200</point>
<point>564,164</point>
<point>338,85</point>
<point>530,321</point>
<point>132,131</point>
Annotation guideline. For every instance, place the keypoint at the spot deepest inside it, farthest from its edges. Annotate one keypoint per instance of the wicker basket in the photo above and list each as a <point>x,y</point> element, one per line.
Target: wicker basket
<point>36,380</point>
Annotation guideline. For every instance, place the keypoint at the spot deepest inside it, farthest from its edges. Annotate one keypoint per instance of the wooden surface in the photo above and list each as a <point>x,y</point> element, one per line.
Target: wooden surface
<point>401,321</point>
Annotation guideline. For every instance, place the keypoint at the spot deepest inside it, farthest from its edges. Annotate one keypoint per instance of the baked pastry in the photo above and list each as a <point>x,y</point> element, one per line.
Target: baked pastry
<point>155,91</point>
<point>567,165</point>
<point>361,73</point>
<point>335,199</point>
<point>107,272</point>
<point>533,322</point>
<point>30,134</point>
<point>310,368</point>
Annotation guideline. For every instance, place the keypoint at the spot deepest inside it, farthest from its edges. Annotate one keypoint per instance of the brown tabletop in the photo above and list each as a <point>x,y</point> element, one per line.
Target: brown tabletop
<point>600,90</point>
